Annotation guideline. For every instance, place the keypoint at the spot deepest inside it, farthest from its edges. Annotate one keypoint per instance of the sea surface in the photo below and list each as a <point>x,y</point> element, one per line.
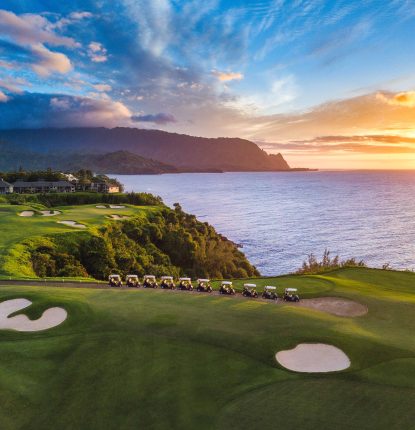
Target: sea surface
<point>280,218</point>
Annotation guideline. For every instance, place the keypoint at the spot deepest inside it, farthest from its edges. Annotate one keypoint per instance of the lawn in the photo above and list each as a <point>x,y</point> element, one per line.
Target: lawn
<point>15,229</point>
<point>152,359</point>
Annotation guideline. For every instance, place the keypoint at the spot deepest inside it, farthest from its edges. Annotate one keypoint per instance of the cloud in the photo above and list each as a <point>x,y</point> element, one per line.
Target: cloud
<point>3,97</point>
<point>406,99</point>
<point>227,76</point>
<point>72,18</point>
<point>49,62</point>
<point>97,53</point>
<point>80,15</point>
<point>54,110</point>
<point>13,85</point>
<point>28,29</point>
<point>159,118</point>
<point>358,115</point>
<point>367,144</point>
<point>102,87</point>
<point>31,33</point>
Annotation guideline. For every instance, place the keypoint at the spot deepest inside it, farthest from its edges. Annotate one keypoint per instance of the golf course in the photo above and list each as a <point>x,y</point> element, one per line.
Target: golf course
<point>156,359</point>
<point>77,354</point>
<point>21,222</point>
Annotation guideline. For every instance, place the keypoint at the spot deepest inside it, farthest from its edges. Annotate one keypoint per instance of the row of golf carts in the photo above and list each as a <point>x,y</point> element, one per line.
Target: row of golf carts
<point>203,285</point>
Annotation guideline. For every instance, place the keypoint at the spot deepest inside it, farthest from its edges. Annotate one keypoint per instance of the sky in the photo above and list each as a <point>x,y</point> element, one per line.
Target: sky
<point>329,84</point>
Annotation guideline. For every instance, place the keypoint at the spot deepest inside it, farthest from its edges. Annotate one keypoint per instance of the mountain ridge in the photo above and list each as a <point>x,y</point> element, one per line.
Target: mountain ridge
<point>181,151</point>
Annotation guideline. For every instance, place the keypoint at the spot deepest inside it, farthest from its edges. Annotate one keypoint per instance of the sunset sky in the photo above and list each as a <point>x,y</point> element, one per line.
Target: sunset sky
<point>329,84</point>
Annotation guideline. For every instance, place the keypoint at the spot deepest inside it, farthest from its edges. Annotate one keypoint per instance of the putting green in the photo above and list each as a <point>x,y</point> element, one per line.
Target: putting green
<point>152,359</point>
<point>16,229</point>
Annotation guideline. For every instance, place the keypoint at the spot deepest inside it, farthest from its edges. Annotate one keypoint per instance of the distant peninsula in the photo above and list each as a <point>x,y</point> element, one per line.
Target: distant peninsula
<point>132,151</point>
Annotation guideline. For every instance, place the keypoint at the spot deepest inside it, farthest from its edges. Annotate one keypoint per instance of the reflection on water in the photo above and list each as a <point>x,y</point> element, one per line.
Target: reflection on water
<point>279,218</point>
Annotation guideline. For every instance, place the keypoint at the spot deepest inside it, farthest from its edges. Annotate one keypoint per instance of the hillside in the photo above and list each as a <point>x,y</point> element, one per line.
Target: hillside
<point>187,153</point>
<point>153,359</point>
<point>119,162</point>
<point>125,233</point>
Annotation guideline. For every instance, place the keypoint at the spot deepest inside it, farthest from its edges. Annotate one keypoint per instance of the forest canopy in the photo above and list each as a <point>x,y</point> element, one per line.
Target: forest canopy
<point>165,242</point>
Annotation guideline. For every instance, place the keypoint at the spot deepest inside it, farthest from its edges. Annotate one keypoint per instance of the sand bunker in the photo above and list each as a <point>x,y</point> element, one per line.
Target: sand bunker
<point>27,213</point>
<point>50,318</point>
<point>313,358</point>
<point>335,306</point>
<point>72,224</point>
<point>101,207</point>
<point>118,217</point>
<point>50,213</point>
<point>116,207</point>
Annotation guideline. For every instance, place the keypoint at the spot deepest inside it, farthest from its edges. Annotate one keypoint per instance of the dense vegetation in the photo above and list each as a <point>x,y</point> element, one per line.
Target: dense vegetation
<point>85,176</point>
<point>314,266</point>
<point>83,198</point>
<point>165,242</point>
<point>156,360</point>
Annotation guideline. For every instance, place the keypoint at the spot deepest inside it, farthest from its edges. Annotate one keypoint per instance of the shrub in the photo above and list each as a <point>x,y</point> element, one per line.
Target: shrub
<point>312,265</point>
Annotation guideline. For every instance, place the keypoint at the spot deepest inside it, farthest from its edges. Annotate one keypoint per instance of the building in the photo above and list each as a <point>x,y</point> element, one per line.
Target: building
<point>71,178</point>
<point>104,187</point>
<point>5,187</point>
<point>25,187</point>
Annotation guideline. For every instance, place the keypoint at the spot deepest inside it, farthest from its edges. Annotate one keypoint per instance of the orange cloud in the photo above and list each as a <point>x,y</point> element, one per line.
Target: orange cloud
<point>228,76</point>
<point>406,98</point>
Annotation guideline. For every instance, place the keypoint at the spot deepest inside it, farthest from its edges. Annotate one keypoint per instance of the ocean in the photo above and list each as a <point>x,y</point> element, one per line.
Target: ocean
<point>280,218</point>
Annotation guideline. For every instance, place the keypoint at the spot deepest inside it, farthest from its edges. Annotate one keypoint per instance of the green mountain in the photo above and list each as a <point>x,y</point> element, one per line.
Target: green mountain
<point>33,147</point>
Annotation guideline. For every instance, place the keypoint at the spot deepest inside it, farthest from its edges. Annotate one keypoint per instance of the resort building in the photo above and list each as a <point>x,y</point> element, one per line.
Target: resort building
<point>104,187</point>
<point>5,187</point>
<point>25,187</point>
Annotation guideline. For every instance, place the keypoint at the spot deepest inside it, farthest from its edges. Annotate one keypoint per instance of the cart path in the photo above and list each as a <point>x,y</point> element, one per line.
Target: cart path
<point>337,306</point>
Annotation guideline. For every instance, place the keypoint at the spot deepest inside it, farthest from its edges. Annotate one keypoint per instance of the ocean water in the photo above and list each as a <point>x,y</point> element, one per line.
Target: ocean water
<point>280,218</point>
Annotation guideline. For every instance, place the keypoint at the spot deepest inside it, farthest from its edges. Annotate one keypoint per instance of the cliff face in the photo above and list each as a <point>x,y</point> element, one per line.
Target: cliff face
<point>182,151</point>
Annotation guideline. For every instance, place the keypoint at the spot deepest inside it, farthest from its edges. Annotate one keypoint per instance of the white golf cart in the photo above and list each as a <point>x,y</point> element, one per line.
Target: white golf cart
<point>167,283</point>
<point>203,286</point>
<point>226,288</point>
<point>149,281</point>
<point>290,295</point>
<point>270,293</point>
<point>185,284</point>
<point>132,281</point>
<point>249,290</point>
<point>114,280</point>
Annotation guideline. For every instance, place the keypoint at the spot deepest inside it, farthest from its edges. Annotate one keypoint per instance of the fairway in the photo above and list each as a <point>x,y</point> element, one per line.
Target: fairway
<point>152,359</point>
<point>15,229</point>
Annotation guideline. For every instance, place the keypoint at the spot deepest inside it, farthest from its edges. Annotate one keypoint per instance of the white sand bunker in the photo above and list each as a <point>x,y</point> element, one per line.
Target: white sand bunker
<point>72,224</point>
<point>335,306</point>
<point>101,207</point>
<point>116,207</point>
<point>313,358</point>
<point>50,213</point>
<point>118,217</point>
<point>27,213</point>
<point>52,317</point>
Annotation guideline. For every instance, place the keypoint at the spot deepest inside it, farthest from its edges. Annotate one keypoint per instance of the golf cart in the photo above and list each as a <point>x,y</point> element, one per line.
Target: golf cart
<point>270,293</point>
<point>132,281</point>
<point>114,281</point>
<point>185,284</point>
<point>167,283</point>
<point>226,288</point>
<point>290,295</point>
<point>203,286</point>
<point>149,281</point>
<point>249,290</point>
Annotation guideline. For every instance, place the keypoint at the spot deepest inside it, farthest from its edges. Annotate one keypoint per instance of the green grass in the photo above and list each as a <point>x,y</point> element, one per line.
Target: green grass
<point>16,229</point>
<point>151,359</point>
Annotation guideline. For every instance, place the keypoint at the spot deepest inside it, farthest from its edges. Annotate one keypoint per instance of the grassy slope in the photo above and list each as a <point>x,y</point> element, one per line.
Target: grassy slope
<point>168,360</point>
<point>15,229</point>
